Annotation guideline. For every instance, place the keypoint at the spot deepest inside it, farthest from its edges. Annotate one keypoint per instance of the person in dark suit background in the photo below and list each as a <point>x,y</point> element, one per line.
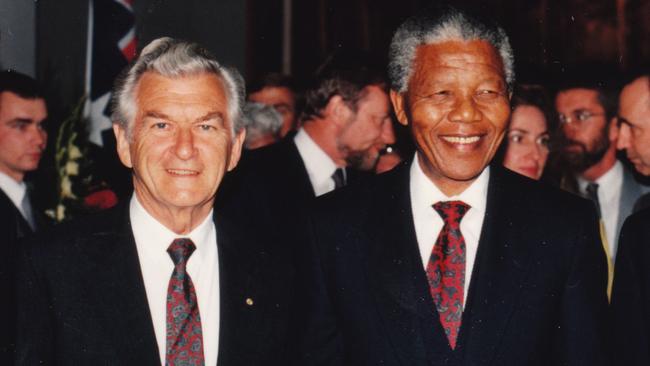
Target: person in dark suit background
<point>446,260</point>
<point>22,141</point>
<point>631,292</point>
<point>175,276</point>
<point>345,125</point>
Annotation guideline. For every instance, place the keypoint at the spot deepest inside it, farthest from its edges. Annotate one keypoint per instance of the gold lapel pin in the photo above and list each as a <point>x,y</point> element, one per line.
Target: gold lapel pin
<point>249,301</point>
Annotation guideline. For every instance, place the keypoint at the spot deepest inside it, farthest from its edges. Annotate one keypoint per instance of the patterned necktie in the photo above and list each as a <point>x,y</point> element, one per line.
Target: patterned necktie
<point>339,178</point>
<point>184,334</point>
<point>446,268</point>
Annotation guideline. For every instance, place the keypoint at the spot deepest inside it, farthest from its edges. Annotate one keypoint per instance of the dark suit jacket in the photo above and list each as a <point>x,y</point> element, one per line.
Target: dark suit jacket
<point>13,228</point>
<point>631,292</point>
<point>83,301</point>
<point>537,294</point>
<point>279,171</point>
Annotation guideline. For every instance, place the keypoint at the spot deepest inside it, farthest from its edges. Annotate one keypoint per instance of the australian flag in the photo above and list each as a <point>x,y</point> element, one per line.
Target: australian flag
<point>111,46</point>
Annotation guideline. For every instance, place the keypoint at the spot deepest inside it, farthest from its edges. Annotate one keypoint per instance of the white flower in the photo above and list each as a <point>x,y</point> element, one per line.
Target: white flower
<point>74,152</point>
<point>66,188</point>
<point>60,212</point>
<point>72,168</point>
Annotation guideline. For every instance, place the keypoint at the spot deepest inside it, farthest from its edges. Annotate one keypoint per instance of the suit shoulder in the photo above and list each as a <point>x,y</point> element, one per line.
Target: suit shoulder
<point>83,228</point>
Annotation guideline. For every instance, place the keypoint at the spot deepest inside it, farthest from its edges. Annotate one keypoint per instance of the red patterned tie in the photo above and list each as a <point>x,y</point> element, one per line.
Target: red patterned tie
<point>446,268</point>
<point>184,334</point>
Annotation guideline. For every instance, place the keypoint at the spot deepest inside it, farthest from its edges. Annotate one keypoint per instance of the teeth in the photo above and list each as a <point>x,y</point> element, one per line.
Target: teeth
<point>461,139</point>
<point>181,172</point>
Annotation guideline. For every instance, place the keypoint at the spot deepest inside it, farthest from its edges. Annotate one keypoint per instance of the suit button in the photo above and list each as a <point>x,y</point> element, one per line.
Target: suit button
<point>249,301</point>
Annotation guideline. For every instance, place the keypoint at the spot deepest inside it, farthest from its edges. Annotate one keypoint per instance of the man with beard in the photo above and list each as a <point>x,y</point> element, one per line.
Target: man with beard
<point>587,115</point>
<point>345,125</point>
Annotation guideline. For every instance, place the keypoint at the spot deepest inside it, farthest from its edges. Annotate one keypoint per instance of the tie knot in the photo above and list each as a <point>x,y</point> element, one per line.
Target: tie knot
<point>339,178</point>
<point>180,250</point>
<point>451,211</point>
<point>592,190</point>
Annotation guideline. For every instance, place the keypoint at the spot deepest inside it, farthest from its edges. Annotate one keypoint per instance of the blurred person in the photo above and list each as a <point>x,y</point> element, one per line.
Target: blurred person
<point>23,138</point>
<point>526,146</point>
<point>398,279</point>
<point>174,276</point>
<point>263,124</point>
<point>631,293</point>
<point>278,91</point>
<point>587,116</point>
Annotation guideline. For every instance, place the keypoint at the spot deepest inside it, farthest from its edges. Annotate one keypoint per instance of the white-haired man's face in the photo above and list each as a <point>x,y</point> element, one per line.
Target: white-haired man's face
<point>181,144</point>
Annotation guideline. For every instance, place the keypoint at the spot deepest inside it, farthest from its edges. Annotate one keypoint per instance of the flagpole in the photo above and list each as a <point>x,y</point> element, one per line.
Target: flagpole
<point>89,58</point>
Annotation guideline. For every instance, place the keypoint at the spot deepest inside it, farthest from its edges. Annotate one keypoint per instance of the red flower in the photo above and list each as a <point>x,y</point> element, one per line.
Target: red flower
<point>101,199</point>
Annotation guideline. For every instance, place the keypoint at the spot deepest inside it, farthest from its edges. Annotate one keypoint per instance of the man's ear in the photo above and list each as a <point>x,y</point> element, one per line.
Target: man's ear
<point>613,130</point>
<point>235,150</point>
<point>337,110</point>
<point>399,104</point>
<point>123,146</point>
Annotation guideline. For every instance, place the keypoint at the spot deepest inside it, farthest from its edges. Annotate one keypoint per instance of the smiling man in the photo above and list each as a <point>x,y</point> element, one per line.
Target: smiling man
<point>174,277</point>
<point>447,260</point>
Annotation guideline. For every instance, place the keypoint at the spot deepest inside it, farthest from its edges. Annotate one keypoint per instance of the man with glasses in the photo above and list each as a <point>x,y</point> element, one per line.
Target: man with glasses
<point>587,114</point>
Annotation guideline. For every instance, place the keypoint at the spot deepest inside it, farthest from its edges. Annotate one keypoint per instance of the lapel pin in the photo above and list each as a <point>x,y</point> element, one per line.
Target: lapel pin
<point>249,301</point>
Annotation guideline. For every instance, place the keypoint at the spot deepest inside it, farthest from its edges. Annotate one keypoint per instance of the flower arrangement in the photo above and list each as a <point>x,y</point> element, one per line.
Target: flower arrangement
<point>77,191</point>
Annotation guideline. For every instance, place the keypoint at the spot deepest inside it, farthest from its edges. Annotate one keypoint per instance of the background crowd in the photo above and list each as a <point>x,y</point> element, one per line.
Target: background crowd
<point>582,130</point>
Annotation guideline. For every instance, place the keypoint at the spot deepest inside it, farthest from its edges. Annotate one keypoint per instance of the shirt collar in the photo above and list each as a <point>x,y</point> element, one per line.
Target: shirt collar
<point>608,182</point>
<point>319,165</point>
<point>425,192</point>
<point>147,229</point>
<point>14,190</point>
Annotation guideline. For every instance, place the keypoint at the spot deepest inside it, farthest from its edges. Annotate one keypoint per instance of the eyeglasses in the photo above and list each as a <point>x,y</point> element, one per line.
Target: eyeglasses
<point>578,116</point>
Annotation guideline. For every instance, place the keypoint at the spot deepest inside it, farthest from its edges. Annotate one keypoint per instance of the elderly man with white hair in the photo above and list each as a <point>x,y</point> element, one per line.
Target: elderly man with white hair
<point>263,124</point>
<point>174,277</point>
<point>448,260</point>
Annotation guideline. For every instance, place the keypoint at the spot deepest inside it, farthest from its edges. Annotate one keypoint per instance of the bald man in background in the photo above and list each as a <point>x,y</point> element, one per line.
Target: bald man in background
<point>630,296</point>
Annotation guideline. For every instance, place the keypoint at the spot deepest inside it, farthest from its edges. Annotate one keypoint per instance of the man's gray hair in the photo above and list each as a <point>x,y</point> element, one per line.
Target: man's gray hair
<point>173,59</point>
<point>446,24</point>
<point>261,120</point>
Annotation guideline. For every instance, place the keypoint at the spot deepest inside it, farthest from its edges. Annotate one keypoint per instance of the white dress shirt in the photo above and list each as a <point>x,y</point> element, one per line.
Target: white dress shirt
<point>319,165</point>
<point>17,192</point>
<point>610,186</point>
<point>152,240</point>
<point>428,223</point>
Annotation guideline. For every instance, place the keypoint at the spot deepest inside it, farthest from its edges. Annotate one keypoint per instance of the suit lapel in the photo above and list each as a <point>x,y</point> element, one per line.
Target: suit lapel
<point>297,172</point>
<point>501,262</point>
<point>396,274</point>
<point>22,226</point>
<point>245,284</point>
<point>118,290</point>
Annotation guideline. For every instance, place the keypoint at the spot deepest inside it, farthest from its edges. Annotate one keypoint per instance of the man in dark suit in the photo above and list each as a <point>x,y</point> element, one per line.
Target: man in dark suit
<point>172,277</point>
<point>22,141</point>
<point>346,123</point>
<point>631,293</point>
<point>446,261</point>
<point>587,106</point>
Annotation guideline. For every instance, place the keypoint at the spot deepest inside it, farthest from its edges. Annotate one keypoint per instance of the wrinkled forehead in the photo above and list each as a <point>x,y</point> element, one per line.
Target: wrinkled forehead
<point>472,56</point>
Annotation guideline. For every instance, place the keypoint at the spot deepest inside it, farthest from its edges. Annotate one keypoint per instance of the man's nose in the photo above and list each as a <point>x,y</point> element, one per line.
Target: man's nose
<point>623,140</point>
<point>387,132</point>
<point>184,147</point>
<point>465,110</point>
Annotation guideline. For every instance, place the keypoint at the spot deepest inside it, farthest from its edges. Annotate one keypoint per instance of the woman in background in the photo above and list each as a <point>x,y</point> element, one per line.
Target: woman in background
<point>526,147</point>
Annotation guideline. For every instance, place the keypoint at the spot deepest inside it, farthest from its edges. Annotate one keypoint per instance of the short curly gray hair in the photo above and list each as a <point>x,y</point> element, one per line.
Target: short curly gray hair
<point>174,58</point>
<point>446,24</point>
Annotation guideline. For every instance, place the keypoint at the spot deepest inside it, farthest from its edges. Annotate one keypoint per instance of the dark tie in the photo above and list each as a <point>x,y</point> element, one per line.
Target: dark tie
<point>446,268</point>
<point>592,194</point>
<point>184,334</point>
<point>339,178</point>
